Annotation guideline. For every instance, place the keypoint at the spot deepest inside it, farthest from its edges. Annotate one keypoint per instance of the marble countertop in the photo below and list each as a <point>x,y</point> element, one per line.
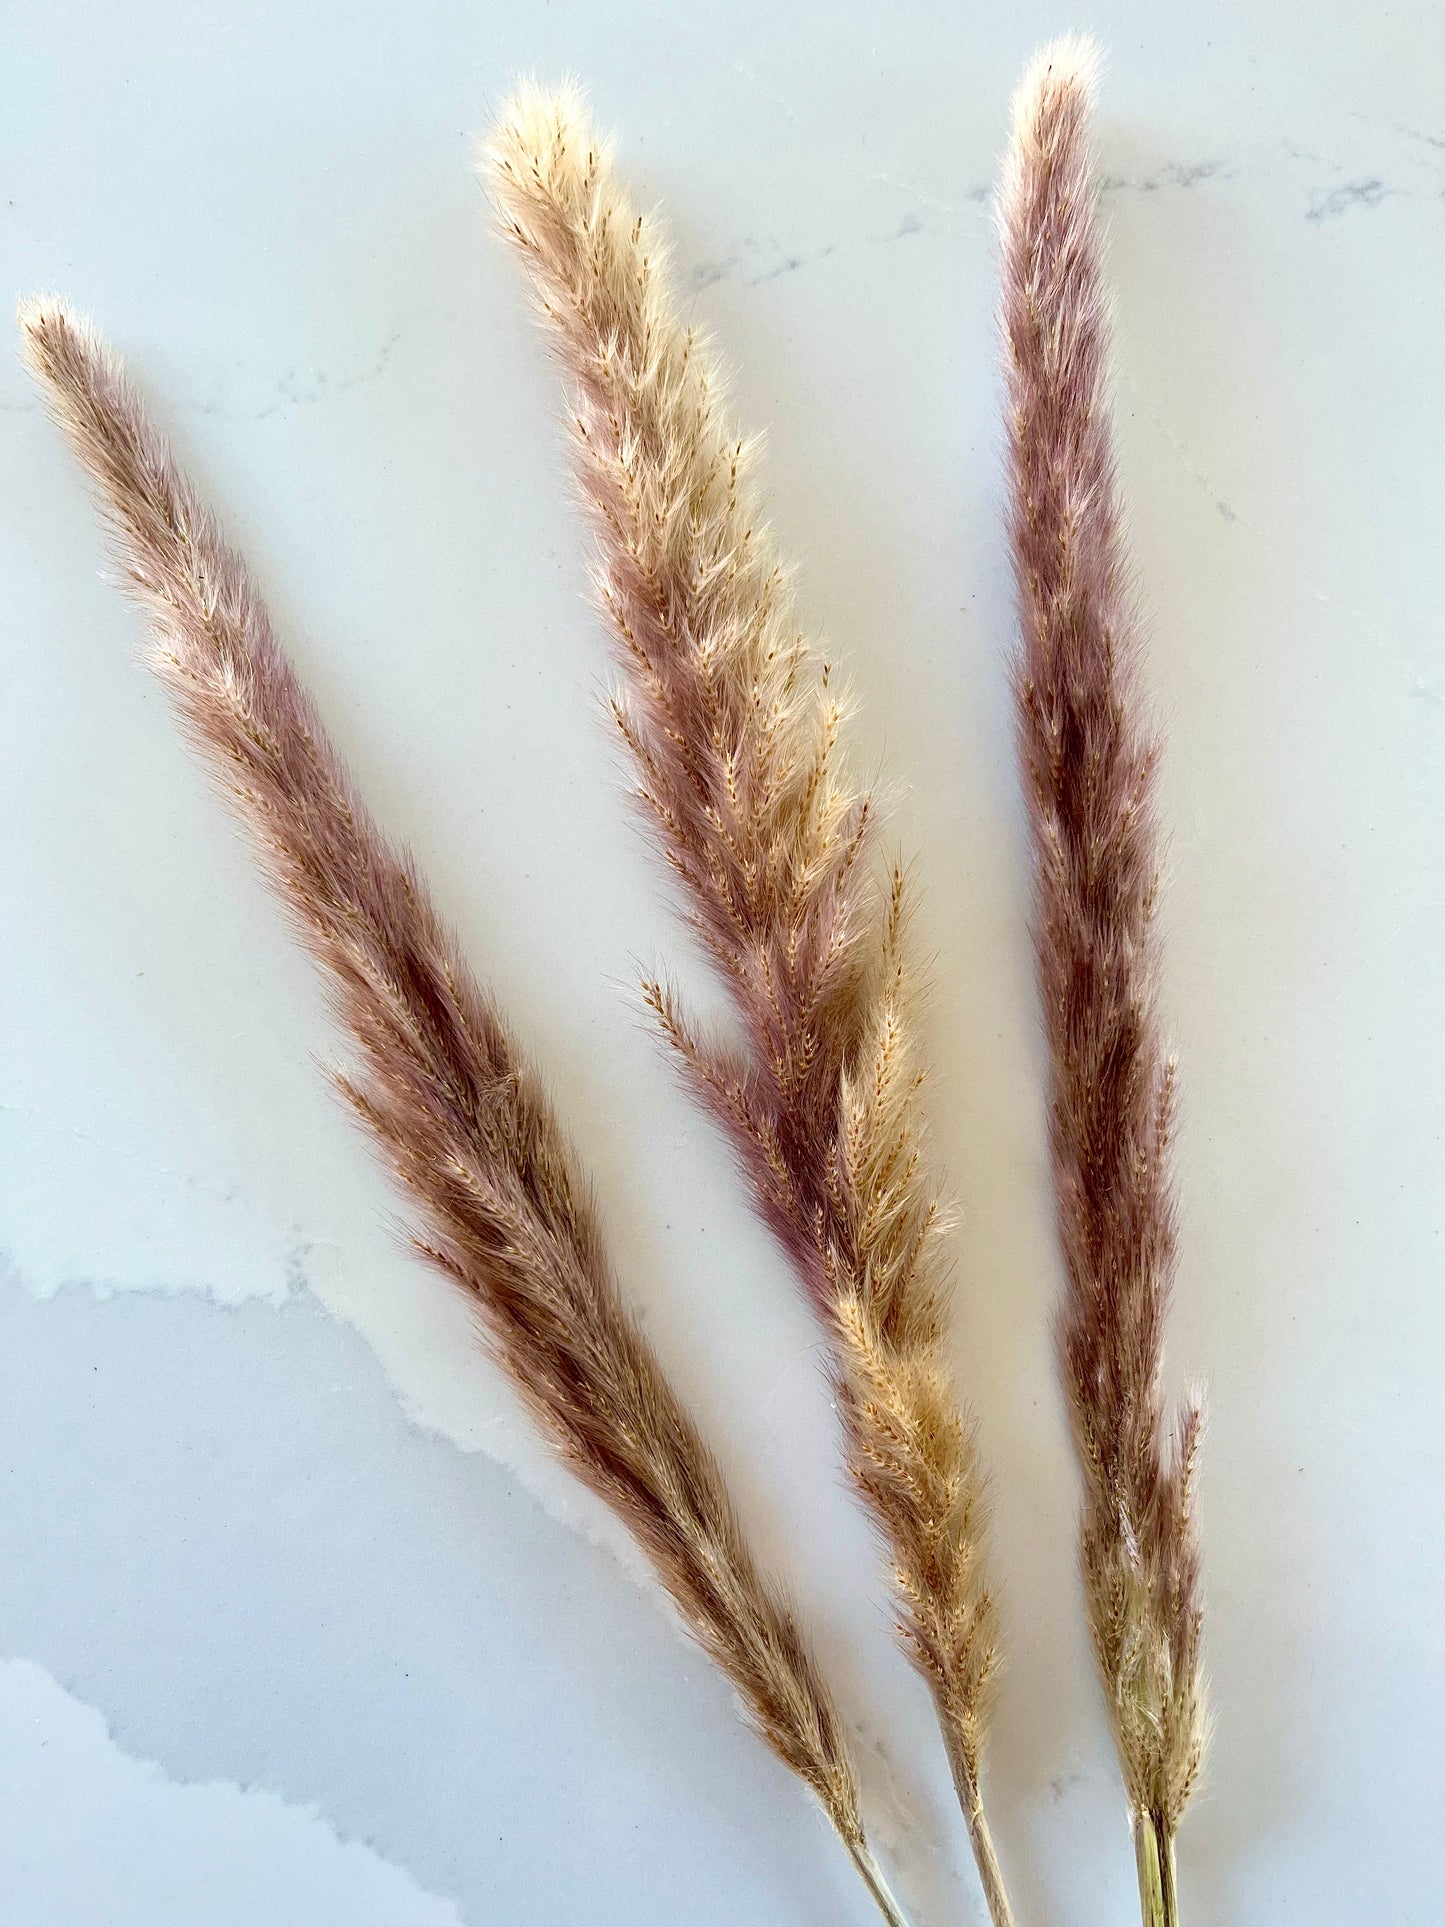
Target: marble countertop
<point>298,1624</point>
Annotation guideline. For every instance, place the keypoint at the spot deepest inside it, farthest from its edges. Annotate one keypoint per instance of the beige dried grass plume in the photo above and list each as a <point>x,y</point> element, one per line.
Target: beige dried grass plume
<point>1089,765</point>
<point>734,721</point>
<point>461,1119</point>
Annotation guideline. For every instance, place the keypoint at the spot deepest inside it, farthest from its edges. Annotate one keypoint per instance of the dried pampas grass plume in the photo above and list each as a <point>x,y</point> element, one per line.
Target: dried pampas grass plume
<point>733,722</point>
<point>463,1122</point>
<point>1089,764</point>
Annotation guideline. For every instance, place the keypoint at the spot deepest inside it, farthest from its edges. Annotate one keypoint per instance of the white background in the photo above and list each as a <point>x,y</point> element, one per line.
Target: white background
<point>297,1623</point>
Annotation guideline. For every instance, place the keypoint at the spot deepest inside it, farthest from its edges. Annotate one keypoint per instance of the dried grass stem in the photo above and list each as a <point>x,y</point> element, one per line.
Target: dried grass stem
<point>1089,763</point>
<point>499,1202</point>
<point>735,726</point>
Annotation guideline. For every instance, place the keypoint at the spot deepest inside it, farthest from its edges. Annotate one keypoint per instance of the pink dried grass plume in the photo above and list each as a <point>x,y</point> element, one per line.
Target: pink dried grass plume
<point>1089,765</point>
<point>443,1089</point>
<point>734,724</point>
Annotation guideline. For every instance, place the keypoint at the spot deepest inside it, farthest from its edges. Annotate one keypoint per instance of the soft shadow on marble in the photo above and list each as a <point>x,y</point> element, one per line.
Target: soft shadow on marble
<point>223,1533</point>
<point>84,1821</point>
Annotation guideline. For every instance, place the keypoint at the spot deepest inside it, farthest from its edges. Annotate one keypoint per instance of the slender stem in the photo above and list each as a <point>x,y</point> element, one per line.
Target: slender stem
<point>1154,1853</point>
<point>862,1857</point>
<point>965,1782</point>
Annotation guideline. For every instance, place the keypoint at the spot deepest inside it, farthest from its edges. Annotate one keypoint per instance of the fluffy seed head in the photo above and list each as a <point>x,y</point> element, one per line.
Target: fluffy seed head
<point>734,722</point>
<point>1089,765</point>
<point>441,1085</point>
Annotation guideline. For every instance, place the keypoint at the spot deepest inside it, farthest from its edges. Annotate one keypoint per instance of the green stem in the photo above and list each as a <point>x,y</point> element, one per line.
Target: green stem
<point>1154,1853</point>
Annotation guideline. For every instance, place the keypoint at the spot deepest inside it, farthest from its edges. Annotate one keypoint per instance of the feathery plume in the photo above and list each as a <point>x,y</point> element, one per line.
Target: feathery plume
<point>733,722</point>
<point>460,1118</point>
<point>1089,765</point>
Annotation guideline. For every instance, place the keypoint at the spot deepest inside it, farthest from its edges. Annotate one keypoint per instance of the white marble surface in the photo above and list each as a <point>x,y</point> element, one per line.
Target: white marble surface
<point>296,1623</point>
